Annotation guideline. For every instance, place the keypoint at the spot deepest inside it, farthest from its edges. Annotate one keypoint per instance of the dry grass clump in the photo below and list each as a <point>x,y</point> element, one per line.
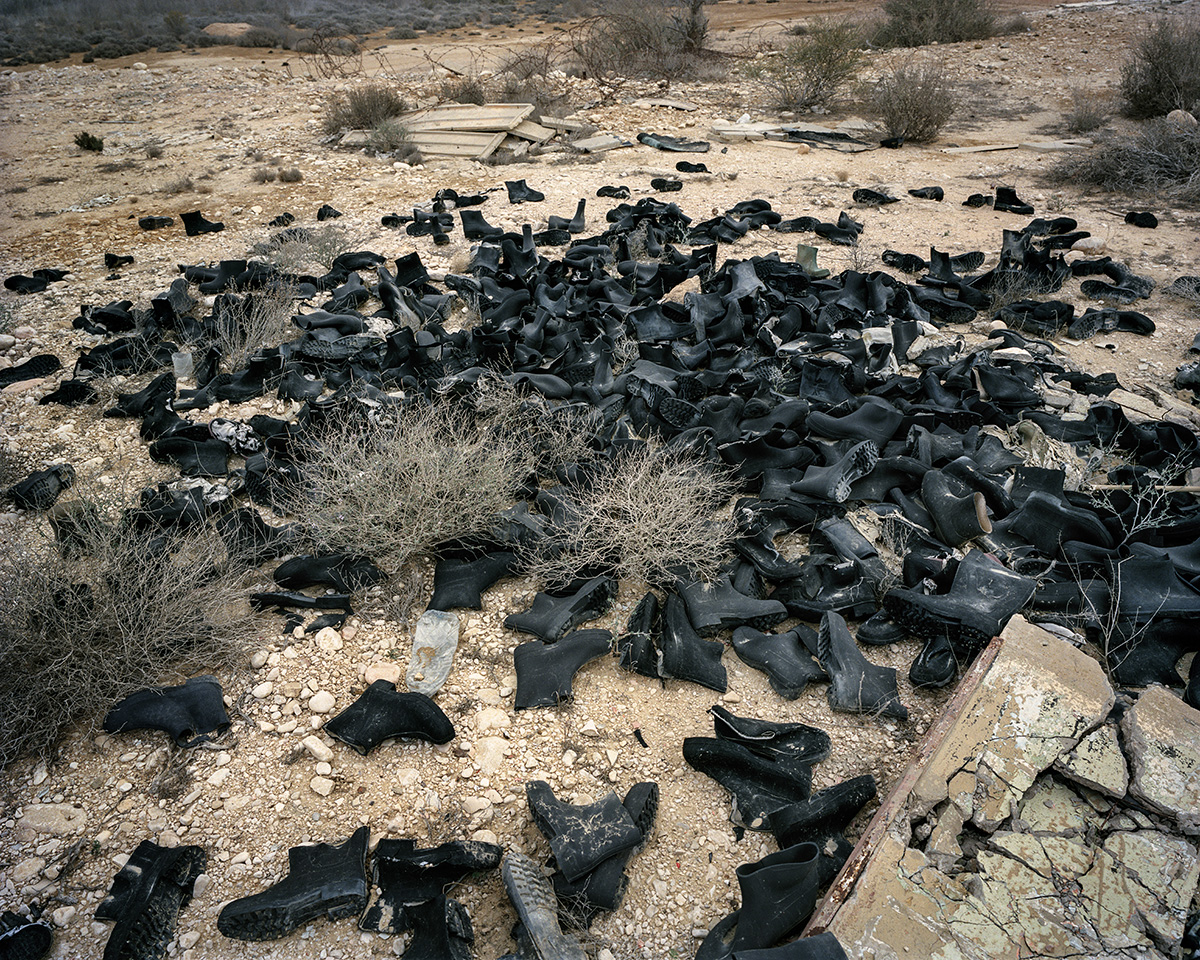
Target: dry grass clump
<point>914,23</point>
<point>915,100</point>
<point>125,610</point>
<point>361,108</point>
<point>394,485</point>
<point>256,320</point>
<point>813,70</point>
<point>1162,158</point>
<point>1163,70</point>
<point>308,249</point>
<point>645,517</point>
<point>1090,110</point>
<point>393,137</point>
<point>650,38</point>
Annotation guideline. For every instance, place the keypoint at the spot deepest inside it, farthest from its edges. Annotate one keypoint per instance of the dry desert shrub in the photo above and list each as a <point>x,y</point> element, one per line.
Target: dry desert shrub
<point>914,100</point>
<point>1090,110</point>
<point>651,38</point>
<point>814,69</point>
<point>361,108</point>
<point>645,516</point>
<point>302,251</point>
<point>253,321</point>
<point>1162,158</point>
<point>1163,70</point>
<point>914,23</point>
<point>124,609</point>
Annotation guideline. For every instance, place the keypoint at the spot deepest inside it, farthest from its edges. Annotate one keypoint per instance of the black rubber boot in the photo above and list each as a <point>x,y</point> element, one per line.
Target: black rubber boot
<point>856,685</point>
<point>581,836</point>
<point>194,458</point>
<point>41,489</point>
<point>758,786</point>
<point>537,909</point>
<point>872,198</point>
<point>1046,521</point>
<point>928,193</point>
<point>146,897</point>
<point>407,875</point>
<point>382,713</point>
<point>603,888</point>
<point>824,815</point>
<point>227,272</point>
<point>323,879</point>
<point>957,518</point>
<point>574,225</point>
<point>824,946</point>
<point>22,939</point>
<point>341,571</point>
<point>714,607</point>
<point>476,228</point>
<point>251,539</point>
<point>326,212</point>
<point>875,419</point>
<point>785,742</point>
<point>684,655</point>
<point>155,223</point>
<point>195,224</point>
<point>545,671</point>
<point>1007,201</point>
<point>460,583</point>
<point>520,192</point>
<point>637,647</point>
<point>190,712</point>
<point>1150,589</point>
<point>783,657</point>
<point>551,617</point>
<point>834,481</point>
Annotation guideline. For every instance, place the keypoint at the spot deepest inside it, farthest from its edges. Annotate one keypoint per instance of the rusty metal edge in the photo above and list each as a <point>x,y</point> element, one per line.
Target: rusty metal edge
<point>844,883</point>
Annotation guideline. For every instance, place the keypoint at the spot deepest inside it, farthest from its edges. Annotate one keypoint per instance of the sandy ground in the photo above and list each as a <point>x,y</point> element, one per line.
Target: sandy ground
<point>221,115</point>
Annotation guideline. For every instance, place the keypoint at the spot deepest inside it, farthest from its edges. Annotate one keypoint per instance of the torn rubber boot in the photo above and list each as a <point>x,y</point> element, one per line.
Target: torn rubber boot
<point>194,224</point>
<point>537,909</point>
<point>441,930</point>
<point>41,489</point>
<point>341,571</point>
<point>35,368</point>
<point>190,712</point>
<point>460,583</point>
<point>714,607</point>
<point>834,481</point>
<point>22,939</point>
<point>520,192</point>
<point>552,616</point>
<point>781,656</point>
<point>758,786</point>
<point>957,625</point>
<point>251,539</point>
<point>382,713</point>
<point>825,815</point>
<point>874,419</point>
<point>824,946</point>
<point>323,879</point>
<point>637,647</point>
<point>407,875</point>
<point>581,836</point>
<point>779,892</point>
<point>145,899</point>
<point>958,518</point>
<point>603,887</point>
<point>545,671</point>
<point>683,655</point>
<point>1150,589</point>
<point>856,685</point>
<point>786,742</point>
<point>1047,521</point>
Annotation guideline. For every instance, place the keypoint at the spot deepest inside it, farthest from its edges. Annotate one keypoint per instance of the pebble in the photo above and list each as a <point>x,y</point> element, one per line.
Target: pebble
<point>316,746</point>
<point>474,805</point>
<point>322,702</point>
<point>201,886</point>
<point>259,660</point>
<point>382,671</point>
<point>321,785</point>
<point>491,718</point>
<point>189,939</point>
<point>329,640</point>
<point>262,690</point>
<point>63,915</point>
<point>7,341</point>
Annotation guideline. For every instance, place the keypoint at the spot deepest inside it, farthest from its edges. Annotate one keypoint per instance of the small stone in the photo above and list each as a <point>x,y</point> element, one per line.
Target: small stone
<point>329,640</point>
<point>322,702</point>
<point>259,660</point>
<point>7,341</point>
<point>189,939</point>
<point>57,819</point>
<point>382,671</point>
<point>63,915</point>
<point>316,746</point>
<point>474,805</point>
<point>26,870</point>
<point>484,836</point>
<point>488,754</point>
<point>201,885</point>
<point>321,785</point>
<point>492,718</point>
<point>1183,119</point>
<point>589,729</point>
<point>40,773</point>
<point>262,690</point>
<point>408,776</point>
<point>569,757</point>
<point>434,641</point>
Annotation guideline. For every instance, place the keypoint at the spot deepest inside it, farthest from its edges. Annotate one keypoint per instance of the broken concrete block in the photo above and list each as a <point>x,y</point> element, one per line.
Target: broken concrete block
<point>1097,762</point>
<point>1162,739</point>
<point>1160,874</point>
<point>1054,808</point>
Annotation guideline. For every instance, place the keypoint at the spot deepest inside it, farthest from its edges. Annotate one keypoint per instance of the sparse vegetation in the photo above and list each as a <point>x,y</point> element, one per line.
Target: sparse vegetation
<point>179,185</point>
<point>259,319</point>
<point>1162,158</point>
<point>813,70</point>
<point>1163,70</point>
<point>128,609</point>
<point>290,175</point>
<point>392,137</point>
<point>89,141</point>
<point>914,23</point>
<point>263,175</point>
<point>154,150</point>
<point>651,38</point>
<point>313,248</point>
<point>465,89</point>
<point>1089,111</point>
<point>362,108</point>
<point>644,517</point>
<point>915,100</point>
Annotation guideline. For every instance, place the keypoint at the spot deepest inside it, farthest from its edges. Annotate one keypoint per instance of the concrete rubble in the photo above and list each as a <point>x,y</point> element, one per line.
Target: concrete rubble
<point>1044,817</point>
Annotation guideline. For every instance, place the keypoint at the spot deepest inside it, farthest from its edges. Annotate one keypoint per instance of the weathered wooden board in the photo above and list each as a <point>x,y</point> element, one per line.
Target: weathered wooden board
<point>457,143</point>
<point>529,130</point>
<point>487,117</point>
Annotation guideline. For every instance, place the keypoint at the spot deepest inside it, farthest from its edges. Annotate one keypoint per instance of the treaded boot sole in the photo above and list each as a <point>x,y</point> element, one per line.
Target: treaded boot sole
<point>537,909</point>
<point>271,923</point>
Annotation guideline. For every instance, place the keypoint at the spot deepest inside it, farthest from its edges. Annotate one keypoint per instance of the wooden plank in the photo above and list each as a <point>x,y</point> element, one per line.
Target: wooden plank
<point>1054,146</point>
<point>529,130</point>
<point>488,117</point>
<point>667,102</point>
<point>451,143</point>
<point>565,123</point>
<point>985,148</point>
<point>600,143</point>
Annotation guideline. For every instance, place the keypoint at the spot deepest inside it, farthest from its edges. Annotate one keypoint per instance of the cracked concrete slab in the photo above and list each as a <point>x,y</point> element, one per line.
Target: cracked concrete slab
<point>997,844</point>
<point>1162,738</point>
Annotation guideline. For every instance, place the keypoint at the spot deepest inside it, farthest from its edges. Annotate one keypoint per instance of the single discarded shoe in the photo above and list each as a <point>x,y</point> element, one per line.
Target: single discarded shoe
<point>155,223</point>
<point>824,815</point>
<point>545,671</point>
<point>1141,218</point>
<point>872,198</point>
<point>324,879</point>
<point>684,166</point>
<point>714,607</point>
<point>41,489</point>
<point>195,224</point>
<point>407,876</point>
<point>1007,201</point>
<point>834,482</point>
<point>683,655</point>
<point>958,518</point>
<point>603,887</point>
<point>190,712</point>
<point>637,647</point>
<point>22,939</point>
<point>537,909</point>
<point>781,656</point>
<point>460,583</point>
<point>441,930</point>
<point>341,571</point>
<point>382,713</point>
<point>856,685</point>
<point>477,228</point>
<point>520,192</point>
<point>581,835</point>
<point>614,193</point>
<point>758,786</point>
<point>251,539</point>
<point>326,212</point>
<point>784,742</point>
<point>928,193</point>
<point>874,419</point>
<point>664,185</point>
<point>551,617</point>
<point>145,899</point>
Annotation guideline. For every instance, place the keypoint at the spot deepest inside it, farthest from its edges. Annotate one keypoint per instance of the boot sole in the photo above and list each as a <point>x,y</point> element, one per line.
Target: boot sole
<point>271,923</point>
<point>537,909</point>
